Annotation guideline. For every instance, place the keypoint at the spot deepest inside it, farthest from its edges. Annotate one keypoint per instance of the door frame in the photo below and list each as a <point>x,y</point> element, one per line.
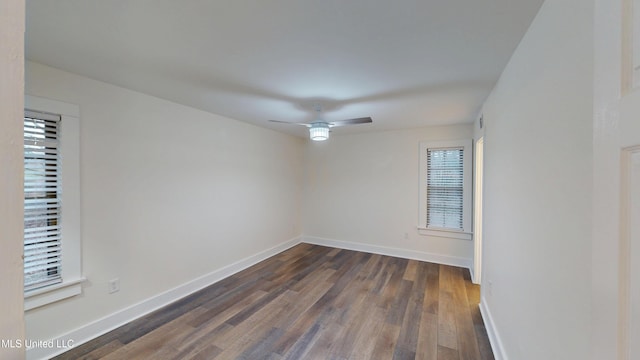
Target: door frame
<point>477,211</point>
<point>626,246</point>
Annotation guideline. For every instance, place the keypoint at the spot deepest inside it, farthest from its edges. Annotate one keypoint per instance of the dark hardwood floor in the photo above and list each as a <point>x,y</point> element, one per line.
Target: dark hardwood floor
<point>313,302</point>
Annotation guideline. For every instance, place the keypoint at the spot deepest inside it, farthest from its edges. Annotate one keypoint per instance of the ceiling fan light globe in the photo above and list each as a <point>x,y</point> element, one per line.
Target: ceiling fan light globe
<point>319,131</point>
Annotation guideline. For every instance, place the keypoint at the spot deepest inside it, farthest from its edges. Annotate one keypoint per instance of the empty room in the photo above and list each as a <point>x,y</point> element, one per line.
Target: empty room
<point>320,179</point>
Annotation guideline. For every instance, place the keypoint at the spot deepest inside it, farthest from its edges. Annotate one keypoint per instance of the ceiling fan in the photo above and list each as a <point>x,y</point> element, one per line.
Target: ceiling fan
<point>319,128</point>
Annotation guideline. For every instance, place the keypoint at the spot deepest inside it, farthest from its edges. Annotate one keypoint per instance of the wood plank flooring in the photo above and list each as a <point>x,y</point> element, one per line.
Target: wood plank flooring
<point>313,302</point>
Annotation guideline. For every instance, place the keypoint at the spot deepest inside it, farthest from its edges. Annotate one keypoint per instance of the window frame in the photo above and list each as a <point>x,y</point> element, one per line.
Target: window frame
<point>467,190</point>
<point>71,271</point>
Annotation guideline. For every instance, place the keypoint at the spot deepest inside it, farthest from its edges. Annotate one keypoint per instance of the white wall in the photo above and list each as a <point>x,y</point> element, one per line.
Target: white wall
<point>11,187</point>
<point>364,189</point>
<point>538,189</point>
<point>169,194</point>
<point>605,269</point>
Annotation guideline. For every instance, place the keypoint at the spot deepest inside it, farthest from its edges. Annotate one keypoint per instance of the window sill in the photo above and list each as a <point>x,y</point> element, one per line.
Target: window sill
<point>460,235</point>
<point>47,295</point>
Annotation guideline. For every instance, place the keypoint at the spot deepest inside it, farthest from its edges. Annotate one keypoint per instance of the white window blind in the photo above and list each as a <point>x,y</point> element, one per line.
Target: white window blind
<point>445,187</point>
<point>42,206</point>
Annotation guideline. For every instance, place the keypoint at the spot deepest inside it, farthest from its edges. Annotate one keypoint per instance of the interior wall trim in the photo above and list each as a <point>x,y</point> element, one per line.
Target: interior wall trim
<point>110,322</point>
<point>492,332</point>
<point>397,252</point>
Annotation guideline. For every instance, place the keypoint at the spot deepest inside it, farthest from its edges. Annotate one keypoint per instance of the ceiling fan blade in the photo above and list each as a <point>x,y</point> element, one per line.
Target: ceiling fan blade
<point>364,120</point>
<point>290,123</point>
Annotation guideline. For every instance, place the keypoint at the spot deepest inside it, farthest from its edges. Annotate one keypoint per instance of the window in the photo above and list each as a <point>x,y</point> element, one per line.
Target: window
<point>42,225</point>
<point>51,201</point>
<point>445,188</point>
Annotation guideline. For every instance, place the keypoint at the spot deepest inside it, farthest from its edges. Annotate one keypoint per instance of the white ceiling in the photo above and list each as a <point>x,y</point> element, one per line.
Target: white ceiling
<point>406,63</point>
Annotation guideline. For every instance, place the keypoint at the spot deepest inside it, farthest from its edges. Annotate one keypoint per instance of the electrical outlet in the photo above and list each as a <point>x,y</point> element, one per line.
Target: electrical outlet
<point>114,285</point>
<point>406,236</point>
<point>490,288</point>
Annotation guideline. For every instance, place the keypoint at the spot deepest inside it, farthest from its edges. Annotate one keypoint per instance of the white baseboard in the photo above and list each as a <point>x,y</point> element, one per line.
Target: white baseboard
<point>494,337</point>
<point>121,317</point>
<point>110,322</point>
<point>397,252</point>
